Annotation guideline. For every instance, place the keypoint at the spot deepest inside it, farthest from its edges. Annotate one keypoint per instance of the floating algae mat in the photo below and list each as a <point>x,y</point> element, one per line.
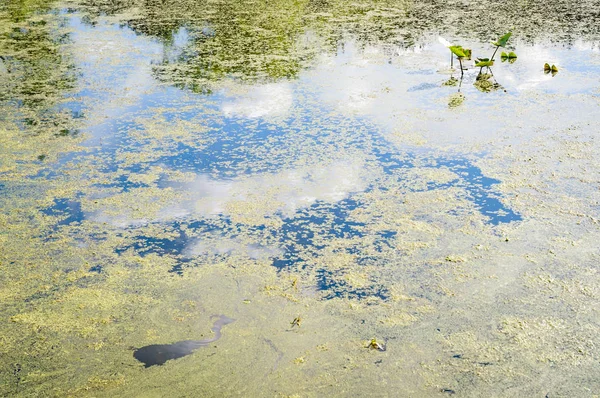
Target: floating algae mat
<point>376,222</point>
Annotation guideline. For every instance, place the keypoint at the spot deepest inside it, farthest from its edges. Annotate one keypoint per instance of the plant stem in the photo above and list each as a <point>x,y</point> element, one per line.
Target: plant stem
<point>461,68</point>
<point>495,51</point>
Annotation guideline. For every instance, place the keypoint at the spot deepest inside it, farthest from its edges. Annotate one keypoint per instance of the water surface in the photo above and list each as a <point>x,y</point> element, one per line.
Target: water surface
<point>311,160</point>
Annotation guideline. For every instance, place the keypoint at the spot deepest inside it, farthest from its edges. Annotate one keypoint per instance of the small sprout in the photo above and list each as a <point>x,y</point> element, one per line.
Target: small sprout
<point>375,345</point>
<point>550,69</point>
<point>296,322</point>
<point>510,57</point>
<point>246,301</point>
<point>41,157</point>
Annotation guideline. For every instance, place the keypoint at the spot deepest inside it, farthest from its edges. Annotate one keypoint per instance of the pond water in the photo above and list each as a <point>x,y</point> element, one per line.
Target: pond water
<point>316,170</point>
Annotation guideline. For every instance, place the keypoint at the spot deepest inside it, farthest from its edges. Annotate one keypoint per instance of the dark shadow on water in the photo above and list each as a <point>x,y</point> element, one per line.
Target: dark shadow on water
<point>158,354</point>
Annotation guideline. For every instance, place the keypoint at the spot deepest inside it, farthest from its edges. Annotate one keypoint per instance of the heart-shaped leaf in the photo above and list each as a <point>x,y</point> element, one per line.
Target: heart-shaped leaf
<point>502,40</point>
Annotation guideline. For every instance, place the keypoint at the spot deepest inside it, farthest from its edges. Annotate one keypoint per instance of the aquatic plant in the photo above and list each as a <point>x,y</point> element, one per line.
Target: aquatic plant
<point>550,69</point>
<point>482,82</point>
<point>483,62</point>
<point>510,57</point>
<point>501,42</point>
<point>460,53</point>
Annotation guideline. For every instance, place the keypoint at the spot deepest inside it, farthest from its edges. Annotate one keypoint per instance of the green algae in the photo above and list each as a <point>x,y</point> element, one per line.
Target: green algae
<point>36,74</point>
<point>520,314</point>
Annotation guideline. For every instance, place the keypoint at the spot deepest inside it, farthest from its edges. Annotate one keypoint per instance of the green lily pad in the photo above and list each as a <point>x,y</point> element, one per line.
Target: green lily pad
<point>458,51</point>
<point>481,62</point>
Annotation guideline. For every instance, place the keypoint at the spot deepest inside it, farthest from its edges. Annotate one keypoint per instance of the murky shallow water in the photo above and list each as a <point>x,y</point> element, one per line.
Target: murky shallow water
<point>162,165</point>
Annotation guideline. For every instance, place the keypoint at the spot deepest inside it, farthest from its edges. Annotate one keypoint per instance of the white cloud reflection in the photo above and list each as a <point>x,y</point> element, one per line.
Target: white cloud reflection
<point>266,100</point>
<point>216,244</point>
<point>284,192</point>
<point>249,199</point>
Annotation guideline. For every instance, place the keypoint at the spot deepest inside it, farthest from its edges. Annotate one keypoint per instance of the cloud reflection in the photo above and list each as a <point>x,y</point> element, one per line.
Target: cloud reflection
<point>266,100</point>
<point>251,199</point>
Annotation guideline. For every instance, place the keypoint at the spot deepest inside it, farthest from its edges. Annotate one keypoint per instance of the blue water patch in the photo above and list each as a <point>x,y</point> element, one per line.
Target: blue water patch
<point>335,286</point>
<point>297,234</point>
<point>479,187</point>
<point>68,211</point>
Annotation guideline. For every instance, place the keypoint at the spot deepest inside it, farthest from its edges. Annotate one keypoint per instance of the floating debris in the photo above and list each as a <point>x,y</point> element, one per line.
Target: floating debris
<point>375,345</point>
<point>296,322</point>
